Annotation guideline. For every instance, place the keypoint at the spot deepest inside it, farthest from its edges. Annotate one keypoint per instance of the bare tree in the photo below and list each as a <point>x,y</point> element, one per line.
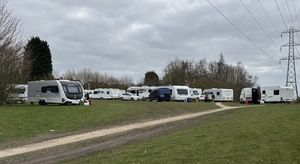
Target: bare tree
<point>10,52</point>
<point>92,80</point>
<point>207,75</point>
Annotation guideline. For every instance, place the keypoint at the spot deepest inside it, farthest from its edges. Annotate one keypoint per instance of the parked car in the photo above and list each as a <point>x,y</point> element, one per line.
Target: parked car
<point>196,94</point>
<point>129,96</point>
<point>160,94</point>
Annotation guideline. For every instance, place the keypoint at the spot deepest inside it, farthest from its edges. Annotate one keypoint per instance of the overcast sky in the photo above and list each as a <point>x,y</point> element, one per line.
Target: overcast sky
<point>129,37</point>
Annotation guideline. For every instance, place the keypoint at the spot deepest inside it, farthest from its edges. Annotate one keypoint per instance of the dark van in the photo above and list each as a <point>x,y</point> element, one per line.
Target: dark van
<point>161,94</point>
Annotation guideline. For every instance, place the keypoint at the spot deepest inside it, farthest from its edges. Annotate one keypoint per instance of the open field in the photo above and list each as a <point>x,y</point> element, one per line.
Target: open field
<point>23,122</point>
<point>262,134</point>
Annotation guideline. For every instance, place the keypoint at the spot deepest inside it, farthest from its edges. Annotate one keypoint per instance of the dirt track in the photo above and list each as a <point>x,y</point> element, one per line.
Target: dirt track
<point>126,133</point>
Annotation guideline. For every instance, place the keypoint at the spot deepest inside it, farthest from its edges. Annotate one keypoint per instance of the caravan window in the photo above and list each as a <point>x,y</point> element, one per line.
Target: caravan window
<point>95,92</point>
<point>73,89</point>
<point>264,92</point>
<point>218,93</point>
<point>182,91</point>
<point>276,92</point>
<point>108,92</point>
<point>53,89</point>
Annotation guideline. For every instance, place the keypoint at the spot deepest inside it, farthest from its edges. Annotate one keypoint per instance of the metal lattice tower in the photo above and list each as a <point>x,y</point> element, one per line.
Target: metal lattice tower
<point>291,78</point>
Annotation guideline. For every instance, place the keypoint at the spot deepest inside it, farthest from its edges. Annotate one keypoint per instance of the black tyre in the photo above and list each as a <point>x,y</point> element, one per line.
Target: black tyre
<point>42,102</point>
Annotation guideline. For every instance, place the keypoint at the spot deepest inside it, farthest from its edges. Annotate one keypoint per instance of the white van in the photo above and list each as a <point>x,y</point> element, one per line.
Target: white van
<point>277,94</point>
<point>219,94</point>
<point>251,95</point>
<point>180,93</point>
<point>55,92</point>
<point>196,94</point>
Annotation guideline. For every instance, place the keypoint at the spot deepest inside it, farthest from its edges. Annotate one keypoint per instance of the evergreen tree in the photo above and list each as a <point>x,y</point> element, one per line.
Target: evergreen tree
<point>37,60</point>
<point>151,79</point>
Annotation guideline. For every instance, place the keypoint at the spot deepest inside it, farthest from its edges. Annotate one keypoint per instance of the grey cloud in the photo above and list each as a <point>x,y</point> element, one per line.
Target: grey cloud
<point>133,36</point>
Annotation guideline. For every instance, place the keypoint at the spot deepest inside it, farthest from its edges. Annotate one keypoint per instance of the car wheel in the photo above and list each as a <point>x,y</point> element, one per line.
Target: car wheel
<point>132,99</point>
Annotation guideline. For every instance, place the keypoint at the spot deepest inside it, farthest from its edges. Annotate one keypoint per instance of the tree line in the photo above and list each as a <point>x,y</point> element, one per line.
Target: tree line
<point>93,79</point>
<point>213,74</point>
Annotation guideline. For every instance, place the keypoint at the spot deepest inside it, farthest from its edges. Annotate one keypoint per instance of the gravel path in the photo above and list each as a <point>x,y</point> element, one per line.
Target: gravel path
<point>103,132</point>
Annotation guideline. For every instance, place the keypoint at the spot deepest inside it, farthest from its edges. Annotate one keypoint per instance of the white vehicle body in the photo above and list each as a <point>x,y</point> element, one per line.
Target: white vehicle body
<point>196,94</point>
<point>142,92</point>
<point>106,93</point>
<point>246,95</point>
<point>219,94</point>
<point>277,94</point>
<point>55,92</point>
<point>90,92</point>
<point>19,94</point>
<point>252,95</point>
<point>179,93</point>
<point>129,96</point>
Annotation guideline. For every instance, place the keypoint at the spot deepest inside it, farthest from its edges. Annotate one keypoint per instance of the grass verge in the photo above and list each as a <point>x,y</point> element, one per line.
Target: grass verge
<point>22,122</point>
<point>262,134</point>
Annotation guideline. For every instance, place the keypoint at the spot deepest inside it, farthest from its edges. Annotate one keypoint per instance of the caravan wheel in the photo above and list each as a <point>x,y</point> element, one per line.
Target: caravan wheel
<point>42,102</point>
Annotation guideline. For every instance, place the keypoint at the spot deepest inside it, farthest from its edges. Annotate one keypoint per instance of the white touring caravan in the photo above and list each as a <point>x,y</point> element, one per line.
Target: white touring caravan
<point>107,93</point>
<point>18,94</point>
<point>250,95</point>
<point>277,94</point>
<point>55,92</point>
<point>196,94</point>
<point>142,92</point>
<point>219,94</point>
<point>180,93</point>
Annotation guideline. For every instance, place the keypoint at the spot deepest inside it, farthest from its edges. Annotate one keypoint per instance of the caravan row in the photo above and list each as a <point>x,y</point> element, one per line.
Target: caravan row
<point>273,94</point>
<point>180,93</point>
<point>71,92</point>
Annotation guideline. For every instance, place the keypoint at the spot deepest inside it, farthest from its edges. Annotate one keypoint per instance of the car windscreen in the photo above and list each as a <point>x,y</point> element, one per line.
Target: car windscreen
<point>182,91</point>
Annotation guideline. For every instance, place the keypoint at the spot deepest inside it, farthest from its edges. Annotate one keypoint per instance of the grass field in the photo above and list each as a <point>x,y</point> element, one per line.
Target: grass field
<point>262,134</point>
<point>22,122</point>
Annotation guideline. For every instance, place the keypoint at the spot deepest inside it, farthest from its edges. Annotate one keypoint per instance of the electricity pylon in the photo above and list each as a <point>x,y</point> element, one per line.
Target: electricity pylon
<point>291,78</point>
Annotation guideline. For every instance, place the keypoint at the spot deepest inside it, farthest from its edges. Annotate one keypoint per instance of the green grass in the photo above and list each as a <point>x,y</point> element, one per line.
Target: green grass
<point>21,122</point>
<point>264,134</point>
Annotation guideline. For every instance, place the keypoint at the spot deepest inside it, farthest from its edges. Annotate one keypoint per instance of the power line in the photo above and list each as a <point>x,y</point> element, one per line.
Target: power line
<point>257,22</point>
<point>237,28</point>
<point>268,16</point>
<point>285,12</point>
<point>278,8</point>
<point>294,4</point>
<point>287,5</point>
<point>270,20</point>
<point>296,22</point>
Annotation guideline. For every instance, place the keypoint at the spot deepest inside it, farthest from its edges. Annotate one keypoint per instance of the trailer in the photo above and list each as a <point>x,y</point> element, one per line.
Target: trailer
<point>55,92</point>
<point>277,94</point>
<point>142,92</point>
<point>107,93</point>
<point>179,93</point>
<point>250,95</point>
<point>218,94</point>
